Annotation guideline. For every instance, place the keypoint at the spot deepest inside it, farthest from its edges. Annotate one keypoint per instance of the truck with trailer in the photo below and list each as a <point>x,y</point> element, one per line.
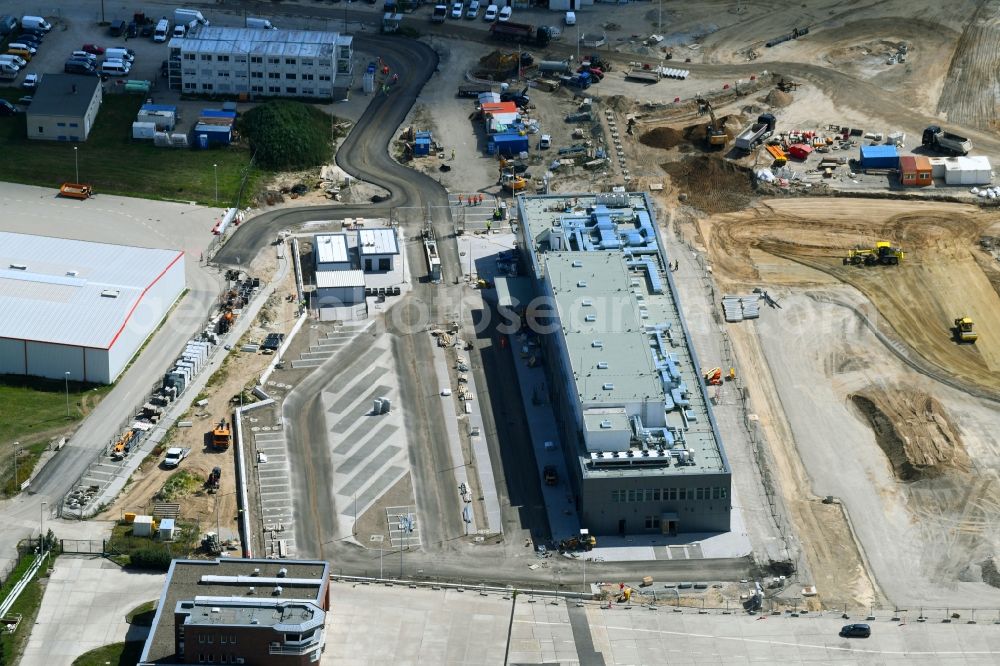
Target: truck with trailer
<point>185,16</point>
<point>522,33</point>
<point>259,23</point>
<point>752,136</point>
<point>946,142</point>
<point>581,81</point>
<point>643,75</point>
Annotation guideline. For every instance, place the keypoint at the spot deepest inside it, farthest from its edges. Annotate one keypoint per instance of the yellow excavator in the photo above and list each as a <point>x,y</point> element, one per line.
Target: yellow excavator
<point>883,254</point>
<point>512,182</point>
<point>964,330</point>
<point>715,135</point>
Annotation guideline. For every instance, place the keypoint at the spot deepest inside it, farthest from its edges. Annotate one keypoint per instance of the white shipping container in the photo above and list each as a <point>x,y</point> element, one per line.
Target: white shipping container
<point>164,120</point>
<point>142,130</point>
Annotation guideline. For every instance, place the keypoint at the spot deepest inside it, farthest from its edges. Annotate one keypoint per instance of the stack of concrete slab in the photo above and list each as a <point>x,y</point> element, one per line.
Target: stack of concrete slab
<point>738,308</point>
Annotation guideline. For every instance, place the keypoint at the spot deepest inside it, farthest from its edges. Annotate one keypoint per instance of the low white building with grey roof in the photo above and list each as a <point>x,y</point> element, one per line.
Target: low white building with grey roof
<point>642,445</point>
<point>261,63</point>
<point>78,307</point>
<point>64,107</point>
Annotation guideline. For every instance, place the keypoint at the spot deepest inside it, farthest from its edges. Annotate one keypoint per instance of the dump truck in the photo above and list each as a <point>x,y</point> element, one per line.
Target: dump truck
<point>175,455</point>
<point>964,330</point>
<point>761,130</point>
<point>883,254</point>
<point>946,142</point>
<point>522,33</point>
<point>76,191</point>
<point>222,436</point>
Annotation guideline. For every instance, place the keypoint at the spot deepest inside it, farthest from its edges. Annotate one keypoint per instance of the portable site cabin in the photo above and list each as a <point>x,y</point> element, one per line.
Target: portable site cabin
<point>915,171</point>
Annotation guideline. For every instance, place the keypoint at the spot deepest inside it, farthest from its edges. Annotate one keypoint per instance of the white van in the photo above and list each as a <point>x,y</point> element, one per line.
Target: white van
<point>14,60</point>
<point>83,55</point>
<point>260,24</point>
<point>570,18</point>
<point>162,30</point>
<point>114,68</point>
<point>115,53</point>
<point>36,23</point>
<point>179,30</point>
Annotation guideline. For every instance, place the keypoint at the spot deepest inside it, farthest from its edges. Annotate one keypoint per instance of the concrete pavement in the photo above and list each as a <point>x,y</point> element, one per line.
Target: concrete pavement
<point>84,607</point>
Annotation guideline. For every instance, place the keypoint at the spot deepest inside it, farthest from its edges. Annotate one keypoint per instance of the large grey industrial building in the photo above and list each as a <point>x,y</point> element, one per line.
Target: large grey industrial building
<point>261,63</point>
<point>78,307</point>
<point>643,448</point>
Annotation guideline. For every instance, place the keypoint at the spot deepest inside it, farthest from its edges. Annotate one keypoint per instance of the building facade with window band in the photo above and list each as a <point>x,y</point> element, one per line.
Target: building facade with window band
<point>261,63</point>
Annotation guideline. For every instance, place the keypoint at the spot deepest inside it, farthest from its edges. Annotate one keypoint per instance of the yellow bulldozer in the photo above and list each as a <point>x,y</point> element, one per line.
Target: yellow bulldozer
<point>883,254</point>
<point>964,330</point>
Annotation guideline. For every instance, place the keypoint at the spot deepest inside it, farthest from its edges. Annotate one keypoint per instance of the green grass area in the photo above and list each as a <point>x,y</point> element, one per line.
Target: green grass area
<point>178,485</point>
<point>113,163</point>
<point>142,615</point>
<point>123,543</point>
<point>27,605</point>
<point>32,411</point>
<point>116,654</point>
<point>32,405</point>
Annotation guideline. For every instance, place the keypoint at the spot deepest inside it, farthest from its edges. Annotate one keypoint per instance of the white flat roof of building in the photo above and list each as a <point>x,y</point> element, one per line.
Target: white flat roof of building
<point>331,248</point>
<point>333,279</point>
<point>377,241</point>
<point>296,43</point>
<point>73,292</point>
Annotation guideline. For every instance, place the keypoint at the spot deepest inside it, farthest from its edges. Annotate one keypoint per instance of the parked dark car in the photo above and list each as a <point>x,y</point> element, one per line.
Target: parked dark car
<point>147,30</point>
<point>34,32</point>
<point>132,30</point>
<point>6,108</point>
<point>25,101</point>
<point>93,48</point>
<point>856,631</point>
<point>117,28</point>
<point>163,69</point>
<point>30,40</point>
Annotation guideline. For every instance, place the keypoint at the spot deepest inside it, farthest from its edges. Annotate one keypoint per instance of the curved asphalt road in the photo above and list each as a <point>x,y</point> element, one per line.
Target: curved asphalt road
<point>364,155</point>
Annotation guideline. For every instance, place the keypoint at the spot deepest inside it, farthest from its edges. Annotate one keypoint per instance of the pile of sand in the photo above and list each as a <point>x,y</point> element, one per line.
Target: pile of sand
<point>913,430</point>
<point>778,99</point>
<point>662,137</point>
<point>712,184</point>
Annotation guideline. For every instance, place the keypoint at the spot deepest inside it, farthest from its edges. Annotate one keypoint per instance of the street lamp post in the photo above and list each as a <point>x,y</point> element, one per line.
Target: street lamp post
<point>66,377</point>
<point>41,529</point>
<point>76,161</point>
<point>215,167</point>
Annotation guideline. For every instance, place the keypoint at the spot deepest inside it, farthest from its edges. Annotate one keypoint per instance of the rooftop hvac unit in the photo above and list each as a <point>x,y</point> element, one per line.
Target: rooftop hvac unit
<point>606,424</point>
<point>590,318</point>
<point>277,590</point>
<point>385,406</point>
<point>18,267</point>
<point>581,284</point>
<point>597,344</point>
<point>602,365</point>
<point>252,590</point>
<point>609,387</point>
<point>256,572</point>
<point>282,572</point>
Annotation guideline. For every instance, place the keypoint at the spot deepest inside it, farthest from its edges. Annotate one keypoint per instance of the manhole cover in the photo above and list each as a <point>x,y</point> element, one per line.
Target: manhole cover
<point>255,428</point>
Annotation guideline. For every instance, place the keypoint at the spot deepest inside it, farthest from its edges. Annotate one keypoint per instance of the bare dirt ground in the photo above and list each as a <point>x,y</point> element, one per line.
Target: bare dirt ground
<point>929,464</point>
<point>941,241</point>
<point>238,373</point>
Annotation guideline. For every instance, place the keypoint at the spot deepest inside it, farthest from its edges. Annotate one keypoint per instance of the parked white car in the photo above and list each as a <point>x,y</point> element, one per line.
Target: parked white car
<point>505,14</point>
<point>174,456</point>
<point>491,13</point>
<point>570,18</point>
<point>457,8</point>
<point>473,10</point>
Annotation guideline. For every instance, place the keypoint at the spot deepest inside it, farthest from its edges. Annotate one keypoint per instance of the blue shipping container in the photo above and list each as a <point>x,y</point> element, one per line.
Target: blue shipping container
<point>212,135</point>
<point>879,157</point>
<point>170,108</point>
<point>215,113</point>
<point>508,144</point>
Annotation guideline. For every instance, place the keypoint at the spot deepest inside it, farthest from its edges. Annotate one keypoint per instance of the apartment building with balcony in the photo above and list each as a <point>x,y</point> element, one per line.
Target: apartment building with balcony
<point>261,63</point>
<point>255,612</point>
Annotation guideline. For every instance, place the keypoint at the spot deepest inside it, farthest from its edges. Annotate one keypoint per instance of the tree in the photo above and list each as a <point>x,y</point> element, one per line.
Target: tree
<point>288,135</point>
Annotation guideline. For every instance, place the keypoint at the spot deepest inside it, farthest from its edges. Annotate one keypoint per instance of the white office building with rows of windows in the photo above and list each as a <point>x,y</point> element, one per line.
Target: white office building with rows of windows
<point>261,63</point>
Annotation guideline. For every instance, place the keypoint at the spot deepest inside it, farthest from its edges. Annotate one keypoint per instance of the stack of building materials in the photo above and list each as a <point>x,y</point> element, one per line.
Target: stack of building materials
<point>153,118</point>
<point>738,308</point>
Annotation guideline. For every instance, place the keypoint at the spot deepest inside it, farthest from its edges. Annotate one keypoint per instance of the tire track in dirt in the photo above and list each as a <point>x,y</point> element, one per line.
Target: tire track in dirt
<point>970,89</point>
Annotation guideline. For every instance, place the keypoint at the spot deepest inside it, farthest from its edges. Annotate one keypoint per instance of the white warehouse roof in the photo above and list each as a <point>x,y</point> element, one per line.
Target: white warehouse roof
<point>377,241</point>
<point>333,279</point>
<point>331,248</point>
<point>73,292</point>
